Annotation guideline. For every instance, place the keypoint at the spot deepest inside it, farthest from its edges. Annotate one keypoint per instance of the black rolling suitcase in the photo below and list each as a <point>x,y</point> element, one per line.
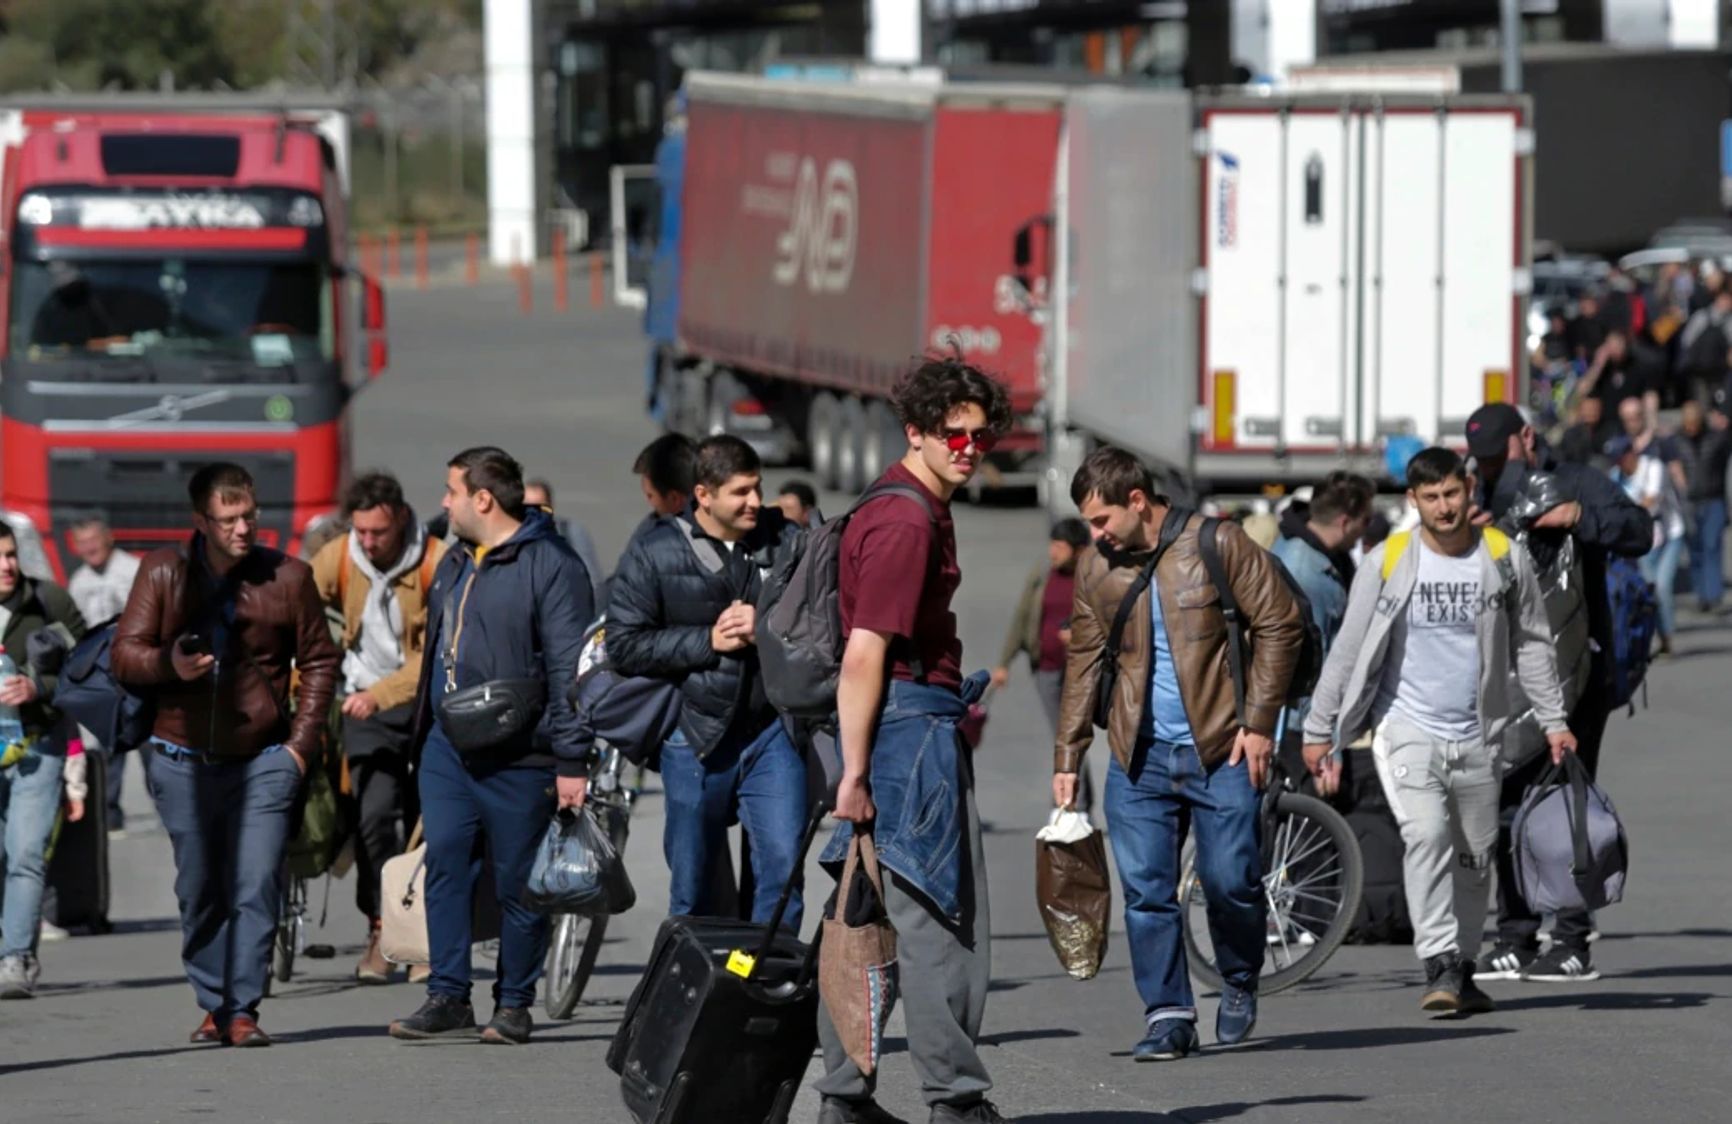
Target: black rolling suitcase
<point>77,889</point>
<point>722,1025</point>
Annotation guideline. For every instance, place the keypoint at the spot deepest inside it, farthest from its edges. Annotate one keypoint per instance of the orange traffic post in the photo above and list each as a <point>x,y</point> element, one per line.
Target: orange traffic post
<point>525,279</point>
<point>471,259</point>
<point>393,254</point>
<point>597,285</point>
<point>421,269</point>
<point>561,280</point>
<point>369,256</point>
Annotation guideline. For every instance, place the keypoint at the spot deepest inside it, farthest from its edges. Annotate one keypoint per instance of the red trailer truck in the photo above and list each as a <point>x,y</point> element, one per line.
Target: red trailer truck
<point>830,234</point>
<point>172,294</point>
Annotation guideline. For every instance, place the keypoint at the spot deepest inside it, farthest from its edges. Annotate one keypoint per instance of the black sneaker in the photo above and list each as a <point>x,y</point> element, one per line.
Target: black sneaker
<point>1505,962</point>
<point>1473,1000</point>
<point>510,1026</point>
<point>1443,977</point>
<point>975,1112</point>
<point>440,1017</point>
<point>836,1110</point>
<point>1561,964</point>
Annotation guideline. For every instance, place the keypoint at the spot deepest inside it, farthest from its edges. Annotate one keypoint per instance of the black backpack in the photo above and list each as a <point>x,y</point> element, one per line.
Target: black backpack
<point>799,630</point>
<point>89,693</point>
<point>633,714</point>
<point>1306,668</point>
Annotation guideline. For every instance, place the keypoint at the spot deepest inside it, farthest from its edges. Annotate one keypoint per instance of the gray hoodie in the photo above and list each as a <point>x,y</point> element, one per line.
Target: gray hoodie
<point>1514,628</point>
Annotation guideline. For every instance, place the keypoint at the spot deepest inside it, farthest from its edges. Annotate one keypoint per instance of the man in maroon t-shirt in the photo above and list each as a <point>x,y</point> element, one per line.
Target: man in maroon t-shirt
<point>897,702</point>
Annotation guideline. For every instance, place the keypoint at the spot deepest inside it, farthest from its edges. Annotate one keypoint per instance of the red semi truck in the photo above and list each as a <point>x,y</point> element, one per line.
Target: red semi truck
<point>827,236</point>
<point>172,294</point>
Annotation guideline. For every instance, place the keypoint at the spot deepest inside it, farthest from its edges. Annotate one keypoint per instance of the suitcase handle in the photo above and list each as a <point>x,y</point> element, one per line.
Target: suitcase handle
<point>813,822</point>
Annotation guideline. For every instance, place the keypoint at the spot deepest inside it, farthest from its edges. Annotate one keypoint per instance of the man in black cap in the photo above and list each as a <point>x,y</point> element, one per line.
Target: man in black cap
<point>1603,521</point>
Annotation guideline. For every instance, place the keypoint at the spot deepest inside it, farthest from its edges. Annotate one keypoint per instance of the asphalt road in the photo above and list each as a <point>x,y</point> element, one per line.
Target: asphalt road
<point>106,1039</point>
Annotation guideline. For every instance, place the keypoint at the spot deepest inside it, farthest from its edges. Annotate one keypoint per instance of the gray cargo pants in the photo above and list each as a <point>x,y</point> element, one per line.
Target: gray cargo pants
<point>944,971</point>
<point>1445,798</point>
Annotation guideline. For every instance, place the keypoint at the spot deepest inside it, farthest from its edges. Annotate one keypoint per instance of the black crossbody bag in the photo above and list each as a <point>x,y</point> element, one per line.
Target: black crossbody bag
<point>490,715</point>
<point>1171,527</point>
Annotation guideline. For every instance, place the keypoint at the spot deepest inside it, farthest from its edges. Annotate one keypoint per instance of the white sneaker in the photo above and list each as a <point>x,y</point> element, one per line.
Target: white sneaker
<point>49,931</point>
<point>18,975</point>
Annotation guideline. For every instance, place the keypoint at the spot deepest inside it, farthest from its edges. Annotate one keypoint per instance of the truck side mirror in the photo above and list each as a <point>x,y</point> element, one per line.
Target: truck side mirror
<point>378,356</point>
<point>1024,252</point>
<point>372,305</point>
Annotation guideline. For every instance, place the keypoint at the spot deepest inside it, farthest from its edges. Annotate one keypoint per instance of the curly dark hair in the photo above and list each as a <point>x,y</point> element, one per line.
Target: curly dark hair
<point>938,384</point>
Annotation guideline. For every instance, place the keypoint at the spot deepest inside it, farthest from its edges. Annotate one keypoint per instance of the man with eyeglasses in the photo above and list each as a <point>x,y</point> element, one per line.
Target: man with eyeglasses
<point>899,700</point>
<point>212,631</point>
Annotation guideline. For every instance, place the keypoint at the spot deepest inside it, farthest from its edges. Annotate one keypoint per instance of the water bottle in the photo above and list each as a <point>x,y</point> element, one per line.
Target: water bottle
<point>11,725</point>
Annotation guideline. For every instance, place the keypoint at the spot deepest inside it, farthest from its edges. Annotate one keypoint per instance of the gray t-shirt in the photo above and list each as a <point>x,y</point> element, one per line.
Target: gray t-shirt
<point>1431,677</point>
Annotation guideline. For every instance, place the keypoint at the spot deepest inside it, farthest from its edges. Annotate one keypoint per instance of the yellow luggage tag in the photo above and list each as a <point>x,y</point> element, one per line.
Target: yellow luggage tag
<point>741,963</point>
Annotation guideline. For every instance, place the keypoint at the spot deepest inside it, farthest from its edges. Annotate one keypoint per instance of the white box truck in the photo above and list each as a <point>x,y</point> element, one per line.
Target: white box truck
<point>1252,291</point>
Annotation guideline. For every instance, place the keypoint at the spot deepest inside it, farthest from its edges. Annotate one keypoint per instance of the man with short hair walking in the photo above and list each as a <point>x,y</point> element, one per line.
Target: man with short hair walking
<point>212,631</point>
<point>1434,623</point>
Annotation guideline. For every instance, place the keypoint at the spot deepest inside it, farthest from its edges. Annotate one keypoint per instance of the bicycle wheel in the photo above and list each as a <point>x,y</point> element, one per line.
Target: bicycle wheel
<point>571,953</point>
<point>291,929</point>
<point>1313,875</point>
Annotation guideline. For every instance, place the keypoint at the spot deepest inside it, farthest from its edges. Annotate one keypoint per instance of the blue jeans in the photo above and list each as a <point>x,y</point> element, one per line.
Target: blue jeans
<point>29,800</point>
<point>512,807</point>
<point>1147,810</point>
<point>1707,542</point>
<point>759,784</point>
<point>1660,566</point>
<point>229,823</point>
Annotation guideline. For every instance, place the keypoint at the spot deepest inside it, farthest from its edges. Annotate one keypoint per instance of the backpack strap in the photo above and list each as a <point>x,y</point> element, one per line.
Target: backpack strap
<point>1393,548</point>
<point>429,563</point>
<point>1171,528</point>
<point>1209,546</point>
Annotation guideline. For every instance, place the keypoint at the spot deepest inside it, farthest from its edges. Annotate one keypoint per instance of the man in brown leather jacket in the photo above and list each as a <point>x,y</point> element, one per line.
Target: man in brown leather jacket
<point>211,632</point>
<point>1181,747</point>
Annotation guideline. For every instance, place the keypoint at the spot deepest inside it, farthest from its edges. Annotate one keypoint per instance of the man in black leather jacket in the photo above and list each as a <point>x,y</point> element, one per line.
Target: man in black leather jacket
<point>682,607</point>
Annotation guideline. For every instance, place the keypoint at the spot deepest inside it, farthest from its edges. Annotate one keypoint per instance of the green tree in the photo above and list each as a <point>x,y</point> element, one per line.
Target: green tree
<point>128,43</point>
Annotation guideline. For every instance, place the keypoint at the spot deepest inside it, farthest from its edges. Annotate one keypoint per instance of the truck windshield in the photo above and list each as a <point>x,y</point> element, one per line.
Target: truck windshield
<point>261,314</point>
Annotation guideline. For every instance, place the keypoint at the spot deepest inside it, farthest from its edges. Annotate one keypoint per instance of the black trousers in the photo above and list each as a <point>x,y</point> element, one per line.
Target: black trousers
<point>1517,924</point>
<point>383,796</point>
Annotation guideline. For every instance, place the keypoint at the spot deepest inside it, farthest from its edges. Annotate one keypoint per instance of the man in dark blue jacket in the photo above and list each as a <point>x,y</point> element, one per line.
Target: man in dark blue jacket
<point>1603,521</point>
<point>509,603</point>
<point>681,607</point>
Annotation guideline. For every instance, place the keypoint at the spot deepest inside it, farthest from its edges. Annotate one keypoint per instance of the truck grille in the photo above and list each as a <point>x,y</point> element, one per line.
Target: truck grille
<point>143,495</point>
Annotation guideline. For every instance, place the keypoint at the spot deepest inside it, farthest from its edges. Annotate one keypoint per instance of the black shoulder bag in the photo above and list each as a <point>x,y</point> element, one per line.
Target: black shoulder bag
<point>1171,528</point>
<point>487,716</point>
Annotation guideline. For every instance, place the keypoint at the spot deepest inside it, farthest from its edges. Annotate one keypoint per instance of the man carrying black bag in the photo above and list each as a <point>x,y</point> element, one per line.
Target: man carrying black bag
<point>508,608</point>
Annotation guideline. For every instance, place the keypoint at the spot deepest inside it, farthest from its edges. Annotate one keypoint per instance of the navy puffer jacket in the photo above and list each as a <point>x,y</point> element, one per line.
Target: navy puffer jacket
<point>672,584</point>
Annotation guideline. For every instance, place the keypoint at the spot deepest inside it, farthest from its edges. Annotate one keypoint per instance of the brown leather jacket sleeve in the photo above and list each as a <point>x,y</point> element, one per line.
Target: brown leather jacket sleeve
<point>139,656</point>
<point>1273,620</point>
<point>1076,724</point>
<point>318,661</point>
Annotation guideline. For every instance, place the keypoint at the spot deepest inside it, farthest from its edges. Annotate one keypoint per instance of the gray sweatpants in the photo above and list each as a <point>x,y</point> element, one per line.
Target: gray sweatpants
<point>1444,795</point>
<point>944,972</point>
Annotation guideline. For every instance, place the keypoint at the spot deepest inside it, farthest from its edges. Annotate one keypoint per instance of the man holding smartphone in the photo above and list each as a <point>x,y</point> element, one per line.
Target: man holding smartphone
<point>212,630</point>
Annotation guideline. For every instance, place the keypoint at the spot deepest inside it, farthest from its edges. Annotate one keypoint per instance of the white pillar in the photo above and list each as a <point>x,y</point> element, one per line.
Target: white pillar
<point>893,36</point>
<point>509,32</point>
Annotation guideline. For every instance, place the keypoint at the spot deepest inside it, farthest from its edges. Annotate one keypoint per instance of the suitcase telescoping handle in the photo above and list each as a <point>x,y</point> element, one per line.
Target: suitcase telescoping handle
<point>813,822</point>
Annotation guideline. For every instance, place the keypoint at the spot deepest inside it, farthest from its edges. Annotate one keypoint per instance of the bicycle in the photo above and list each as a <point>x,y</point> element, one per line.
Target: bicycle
<point>291,935</point>
<point>1313,875</point>
<point>576,940</point>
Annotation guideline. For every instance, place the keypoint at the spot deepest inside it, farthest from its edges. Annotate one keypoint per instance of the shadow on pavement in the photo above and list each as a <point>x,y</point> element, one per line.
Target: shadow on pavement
<point>147,925</point>
<point>1099,1118</point>
<point>1012,1036</point>
<point>1613,1001</point>
<point>137,984</point>
<point>1229,1109</point>
<point>1677,971</point>
<point>123,1056</point>
<point>1363,1038</point>
<point>1699,934</point>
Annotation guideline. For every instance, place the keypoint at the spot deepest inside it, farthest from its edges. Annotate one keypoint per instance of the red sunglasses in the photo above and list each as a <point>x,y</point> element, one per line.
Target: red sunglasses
<point>959,439</point>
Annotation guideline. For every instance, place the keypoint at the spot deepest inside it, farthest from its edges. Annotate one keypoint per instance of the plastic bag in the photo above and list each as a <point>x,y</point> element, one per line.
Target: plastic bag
<point>577,869</point>
<point>857,974</point>
<point>1073,890</point>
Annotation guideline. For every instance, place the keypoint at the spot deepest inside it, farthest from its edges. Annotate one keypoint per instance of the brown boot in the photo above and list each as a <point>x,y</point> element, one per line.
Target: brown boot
<point>420,973</point>
<point>373,968</point>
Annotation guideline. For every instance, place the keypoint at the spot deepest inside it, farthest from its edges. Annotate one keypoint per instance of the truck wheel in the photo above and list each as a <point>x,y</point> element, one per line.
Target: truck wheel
<point>883,440</point>
<point>850,445</point>
<point>821,438</point>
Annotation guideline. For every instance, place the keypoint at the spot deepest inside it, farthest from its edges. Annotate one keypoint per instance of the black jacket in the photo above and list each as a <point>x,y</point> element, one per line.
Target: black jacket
<point>672,584</point>
<point>36,605</point>
<point>523,616</point>
<point>1612,524</point>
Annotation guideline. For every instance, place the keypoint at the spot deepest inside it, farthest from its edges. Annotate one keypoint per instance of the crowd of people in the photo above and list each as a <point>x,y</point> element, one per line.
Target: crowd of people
<point>441,654</point>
